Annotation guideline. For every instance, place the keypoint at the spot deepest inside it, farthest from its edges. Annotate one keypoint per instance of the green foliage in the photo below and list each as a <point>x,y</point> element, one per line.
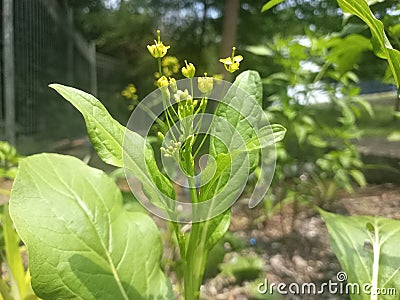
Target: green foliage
<point>8,160</point>
<point>317,156</point>
<point>101,221</point>
<point>19,280</point>
<point>394,136</point>
<point>243,267</point>
<point>380,42</point>
<point>17,284</point>
<point>85,240</point>
<point>367,249</point>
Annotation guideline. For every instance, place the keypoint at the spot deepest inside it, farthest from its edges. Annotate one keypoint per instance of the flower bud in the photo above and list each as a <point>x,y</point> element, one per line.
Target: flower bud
<point>205,84</point>
<point>160,135</point>
<point>172,84</point>
<point>182,96</point>
<point>189,70</point>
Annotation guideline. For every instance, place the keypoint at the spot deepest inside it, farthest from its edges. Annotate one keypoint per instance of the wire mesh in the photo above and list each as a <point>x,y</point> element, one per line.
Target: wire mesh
<point>46,50</point>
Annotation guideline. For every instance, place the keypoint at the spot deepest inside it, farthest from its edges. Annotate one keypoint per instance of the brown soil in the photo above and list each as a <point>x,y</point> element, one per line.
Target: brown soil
<point>294,243</point>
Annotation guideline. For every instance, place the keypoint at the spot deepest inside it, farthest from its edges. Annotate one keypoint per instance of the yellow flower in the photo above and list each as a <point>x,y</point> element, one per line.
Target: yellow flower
<point>189,70</point>
<point>163,81</point>
<point>158,50</point>
<point>205,84</point>
<point>232,63</point>
<point>130,92</point>
<point>170,65</point>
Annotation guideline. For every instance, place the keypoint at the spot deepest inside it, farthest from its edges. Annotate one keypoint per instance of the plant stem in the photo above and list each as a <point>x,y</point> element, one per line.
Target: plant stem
<point>159,66</point>
<point>195,259</point>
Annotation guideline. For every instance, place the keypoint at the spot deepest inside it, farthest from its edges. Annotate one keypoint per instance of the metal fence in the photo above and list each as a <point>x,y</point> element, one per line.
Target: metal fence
<point>39,46</point>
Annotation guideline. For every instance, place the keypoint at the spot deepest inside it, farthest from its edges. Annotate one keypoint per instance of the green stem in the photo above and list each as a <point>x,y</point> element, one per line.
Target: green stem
<point>159,67</point>
<point>322,72</point>
<point>191,87</point>
<point>194,263</point>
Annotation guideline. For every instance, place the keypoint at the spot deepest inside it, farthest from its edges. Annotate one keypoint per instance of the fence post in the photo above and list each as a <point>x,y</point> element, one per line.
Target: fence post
<point>9,71</point>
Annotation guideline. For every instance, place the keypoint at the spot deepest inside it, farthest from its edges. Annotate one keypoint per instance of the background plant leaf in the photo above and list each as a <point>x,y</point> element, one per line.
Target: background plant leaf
<point>354,246</point>
<point>82,244</point>
<point>380,42</point>
<point>271,4</point>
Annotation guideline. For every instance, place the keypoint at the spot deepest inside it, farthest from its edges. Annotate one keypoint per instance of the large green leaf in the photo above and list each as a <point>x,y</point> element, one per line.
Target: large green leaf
<point>368,251</point>
<point>82,244</point>
<point>380,42</point>
<point>241,109</point>
<point>108,137</point>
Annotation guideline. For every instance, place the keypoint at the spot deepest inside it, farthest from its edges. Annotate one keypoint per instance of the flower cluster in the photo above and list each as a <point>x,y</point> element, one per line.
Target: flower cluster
<point>186,107</point>
<point>129,93</point>
<point>172,150</point>
<point>170,66</point>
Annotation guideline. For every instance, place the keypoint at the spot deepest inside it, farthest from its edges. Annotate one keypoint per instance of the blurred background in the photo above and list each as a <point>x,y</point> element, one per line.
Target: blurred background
<point>100,46</point>
<point>321,81</point>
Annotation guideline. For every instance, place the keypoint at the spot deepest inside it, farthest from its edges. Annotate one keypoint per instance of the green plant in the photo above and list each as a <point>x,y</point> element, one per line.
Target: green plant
<point>367,251</point>
<point>317,158</point>
<point>83,244</point>
<point>8,160</point>
<point>364,245</point>
<point>367,246</point>
<point>15,284</point>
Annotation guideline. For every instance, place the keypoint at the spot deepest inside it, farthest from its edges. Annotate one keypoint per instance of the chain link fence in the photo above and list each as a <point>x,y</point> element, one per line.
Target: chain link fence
<point>39,46</point>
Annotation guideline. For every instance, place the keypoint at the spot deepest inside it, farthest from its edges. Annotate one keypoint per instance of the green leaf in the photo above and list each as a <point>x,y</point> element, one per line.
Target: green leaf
<point>366,257</point>
<point>394,136</point>
<point>108,137</point>
<point>82,244</point>
<point>380,42</point>
<point>346,52</point>
<point>260,50</point>
<point>241,108</point>
<point>217,228</point>
<point>222,189</point>
<point>105,133</point>
<point>267,136</point>
<point>18,284</point>
<point>271,4</point>
<point>358,177</point>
